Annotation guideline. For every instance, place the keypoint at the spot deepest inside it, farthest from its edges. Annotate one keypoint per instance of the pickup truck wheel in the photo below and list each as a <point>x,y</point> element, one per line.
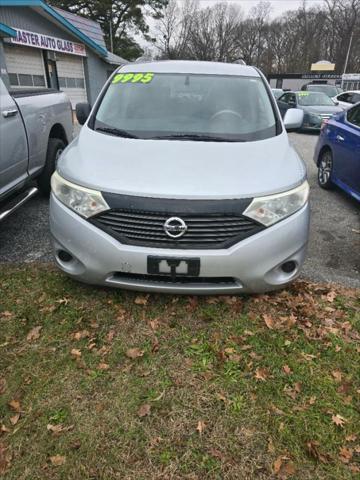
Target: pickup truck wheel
<point>54,150</point>
<point>325,168</point>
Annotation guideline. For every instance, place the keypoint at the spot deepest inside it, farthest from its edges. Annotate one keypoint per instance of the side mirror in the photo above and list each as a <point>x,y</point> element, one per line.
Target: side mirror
<point>82,112</point>
<point>336,102</point>
<point>293,119</point>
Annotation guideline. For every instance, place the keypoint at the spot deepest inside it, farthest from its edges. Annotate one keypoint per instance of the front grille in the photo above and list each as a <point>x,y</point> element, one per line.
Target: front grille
<point>203,231</point>
<point>166,279</point>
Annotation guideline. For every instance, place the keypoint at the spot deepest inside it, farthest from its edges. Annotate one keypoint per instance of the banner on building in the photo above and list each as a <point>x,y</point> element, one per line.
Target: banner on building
<point>47,42</point>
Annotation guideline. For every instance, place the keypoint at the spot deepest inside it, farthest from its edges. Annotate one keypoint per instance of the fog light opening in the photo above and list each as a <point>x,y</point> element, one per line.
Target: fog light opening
<point>288,267</point>
<point>64,256</point>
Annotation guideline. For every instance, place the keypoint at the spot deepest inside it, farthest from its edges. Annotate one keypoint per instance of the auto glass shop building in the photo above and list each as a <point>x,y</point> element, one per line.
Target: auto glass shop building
<point>42,46</point>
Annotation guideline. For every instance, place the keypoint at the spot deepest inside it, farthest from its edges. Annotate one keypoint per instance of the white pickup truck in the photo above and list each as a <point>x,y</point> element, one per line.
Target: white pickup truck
<point>35,127</point>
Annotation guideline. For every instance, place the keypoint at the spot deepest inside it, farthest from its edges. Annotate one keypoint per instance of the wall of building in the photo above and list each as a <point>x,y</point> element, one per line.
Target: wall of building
<point>3,71</point>
<point>294,83</point>
<point>27,19</point>
<point>95,75</point>
<point>95,69</point>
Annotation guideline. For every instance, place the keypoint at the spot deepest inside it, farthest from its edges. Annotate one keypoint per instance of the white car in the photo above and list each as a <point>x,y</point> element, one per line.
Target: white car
<point>347,99</point>
<point>182,180</point>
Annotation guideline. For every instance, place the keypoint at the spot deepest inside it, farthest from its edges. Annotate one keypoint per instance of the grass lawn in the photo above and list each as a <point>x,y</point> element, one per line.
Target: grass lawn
<point>106,384</point>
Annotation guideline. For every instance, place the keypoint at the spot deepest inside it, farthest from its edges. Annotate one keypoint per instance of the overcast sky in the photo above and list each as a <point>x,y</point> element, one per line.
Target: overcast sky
<point>277,8</point>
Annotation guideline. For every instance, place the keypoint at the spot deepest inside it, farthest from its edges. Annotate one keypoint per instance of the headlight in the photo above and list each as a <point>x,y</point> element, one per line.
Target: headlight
<point>81,200</point>
<point>273,208</point>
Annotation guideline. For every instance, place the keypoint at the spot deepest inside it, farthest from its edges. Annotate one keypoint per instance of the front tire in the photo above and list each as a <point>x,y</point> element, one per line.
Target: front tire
<point>325,170</point>
<point>54,150</point>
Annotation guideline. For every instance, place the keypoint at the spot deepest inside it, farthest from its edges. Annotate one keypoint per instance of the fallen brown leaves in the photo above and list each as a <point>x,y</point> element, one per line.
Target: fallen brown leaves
<point>287,369</point>
<point>338,420</point>
<point>34,333</point>
<point>345,454</point>
<point>134,353</point>
<point>75,353</point>
<point>261,374</point>
<point>141,300</point>
<point>2,385</point>
<point>269,321</point>
<point>144,410</point>
<point>283,467</point>
<point>313,448</point>
<point>15,405</point>
<point>337,375</point>
<point>293,391</point>
<point>292,314</point>
<point>281,322</point>
<point>58,429</point>
<point>103,366</point>
<point>81,334</point>
<point>201,427</point>
<point>311,307</point>
<point>14,419</point>
<point>57,460</point>
<point>121,314</point>
<point>330,296</point>
<point>5,459</point>
<point>110,336</point>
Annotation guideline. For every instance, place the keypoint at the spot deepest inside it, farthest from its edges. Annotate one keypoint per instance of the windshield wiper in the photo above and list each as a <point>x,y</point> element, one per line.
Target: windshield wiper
<point>194,136</point>
<point>116,131</point>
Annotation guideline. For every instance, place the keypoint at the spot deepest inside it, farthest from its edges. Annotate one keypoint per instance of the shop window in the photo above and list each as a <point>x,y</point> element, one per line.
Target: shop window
<point>71,82</point>
<point>80,83</point>
<point>13,78</point>
<point>25,80</point>
<point>39,81</point>
<point>62,82</point>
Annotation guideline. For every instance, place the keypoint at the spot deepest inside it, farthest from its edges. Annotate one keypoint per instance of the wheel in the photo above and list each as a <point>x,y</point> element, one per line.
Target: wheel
<point>54,150</point>
<point>325,169</point>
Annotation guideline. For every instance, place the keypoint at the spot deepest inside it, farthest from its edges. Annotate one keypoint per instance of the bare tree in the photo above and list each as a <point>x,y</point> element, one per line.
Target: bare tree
<point>174,29</point>
<point>289,43</point>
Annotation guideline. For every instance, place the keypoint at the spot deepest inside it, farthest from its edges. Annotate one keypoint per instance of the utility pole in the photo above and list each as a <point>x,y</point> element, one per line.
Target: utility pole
<point>347,58</point>
<point>111,32</point>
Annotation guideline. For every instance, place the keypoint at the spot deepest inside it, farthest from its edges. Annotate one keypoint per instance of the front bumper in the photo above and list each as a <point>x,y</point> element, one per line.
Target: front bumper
<point>253,265</point>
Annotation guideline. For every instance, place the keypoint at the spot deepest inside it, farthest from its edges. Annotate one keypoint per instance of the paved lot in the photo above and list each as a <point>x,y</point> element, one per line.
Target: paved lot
<point>334,249</point>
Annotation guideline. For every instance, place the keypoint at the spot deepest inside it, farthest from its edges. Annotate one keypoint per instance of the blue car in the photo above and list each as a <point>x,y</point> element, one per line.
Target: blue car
<point>337,153</point>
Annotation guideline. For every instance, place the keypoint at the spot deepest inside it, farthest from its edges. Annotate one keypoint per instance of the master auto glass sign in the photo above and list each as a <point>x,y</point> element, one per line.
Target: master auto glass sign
<point>39,40</point>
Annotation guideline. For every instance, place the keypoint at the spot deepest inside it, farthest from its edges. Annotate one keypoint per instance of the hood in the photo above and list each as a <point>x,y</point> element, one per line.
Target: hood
<point>317,109</point>
<point>181,169</point>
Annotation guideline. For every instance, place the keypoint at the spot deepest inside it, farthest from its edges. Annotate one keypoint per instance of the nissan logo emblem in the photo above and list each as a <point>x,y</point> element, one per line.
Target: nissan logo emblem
<point>175,227</point>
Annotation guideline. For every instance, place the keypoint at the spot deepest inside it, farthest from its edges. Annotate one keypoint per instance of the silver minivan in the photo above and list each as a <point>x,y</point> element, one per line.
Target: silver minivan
<point>182,180</point>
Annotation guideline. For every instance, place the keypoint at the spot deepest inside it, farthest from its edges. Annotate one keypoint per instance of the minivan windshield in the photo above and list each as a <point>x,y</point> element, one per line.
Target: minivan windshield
<point>311,99</point>
<point>186,107</point>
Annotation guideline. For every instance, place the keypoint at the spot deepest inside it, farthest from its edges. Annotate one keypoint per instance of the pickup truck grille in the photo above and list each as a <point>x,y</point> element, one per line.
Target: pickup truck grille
<point>203,231</point>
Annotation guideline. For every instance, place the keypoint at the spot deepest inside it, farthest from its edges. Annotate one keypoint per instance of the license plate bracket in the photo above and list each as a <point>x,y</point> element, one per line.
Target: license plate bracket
<point>173,266</point>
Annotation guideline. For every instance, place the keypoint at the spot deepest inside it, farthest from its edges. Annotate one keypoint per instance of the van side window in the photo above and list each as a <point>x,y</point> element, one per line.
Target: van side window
<point>353,116</point>
<point>345,97</point>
